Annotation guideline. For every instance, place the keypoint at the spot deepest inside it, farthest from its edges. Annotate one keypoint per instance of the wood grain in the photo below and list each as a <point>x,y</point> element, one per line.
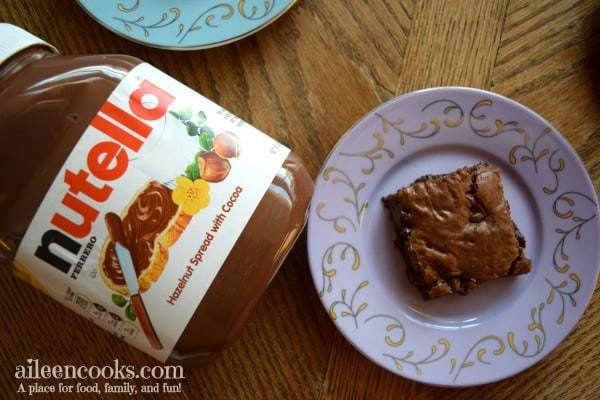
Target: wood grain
<point>452,43</point>
<point>306,79</point>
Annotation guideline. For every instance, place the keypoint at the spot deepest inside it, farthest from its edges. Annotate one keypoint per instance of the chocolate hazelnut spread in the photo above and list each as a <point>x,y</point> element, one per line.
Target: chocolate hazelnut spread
<point>146,218</point>
<point>48,102</point>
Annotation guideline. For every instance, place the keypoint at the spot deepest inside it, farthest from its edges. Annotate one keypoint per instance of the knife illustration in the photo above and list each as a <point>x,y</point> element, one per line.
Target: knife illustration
<point>115,229</point>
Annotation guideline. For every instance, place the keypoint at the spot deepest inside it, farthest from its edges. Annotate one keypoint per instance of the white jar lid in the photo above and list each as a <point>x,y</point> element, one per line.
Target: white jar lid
<point>14,39</point>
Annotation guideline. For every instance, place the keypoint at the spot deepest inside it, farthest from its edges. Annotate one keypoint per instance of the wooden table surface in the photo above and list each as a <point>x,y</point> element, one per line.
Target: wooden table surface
<point>305,80</point>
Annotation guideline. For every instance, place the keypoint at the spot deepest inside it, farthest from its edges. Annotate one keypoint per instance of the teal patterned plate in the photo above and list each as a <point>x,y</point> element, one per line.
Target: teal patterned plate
<point>185,24</point>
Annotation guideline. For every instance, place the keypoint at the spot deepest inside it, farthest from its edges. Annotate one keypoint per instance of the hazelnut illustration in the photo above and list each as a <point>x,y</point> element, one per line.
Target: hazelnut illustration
<point>212,167</point>
<point>227,145</point>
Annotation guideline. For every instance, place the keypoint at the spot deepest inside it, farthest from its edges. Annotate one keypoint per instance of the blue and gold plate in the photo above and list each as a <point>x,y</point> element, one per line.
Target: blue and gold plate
<point>185,24</point>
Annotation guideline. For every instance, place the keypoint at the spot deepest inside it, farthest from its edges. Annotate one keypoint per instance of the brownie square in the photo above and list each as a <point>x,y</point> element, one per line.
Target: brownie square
<point>455,231</point>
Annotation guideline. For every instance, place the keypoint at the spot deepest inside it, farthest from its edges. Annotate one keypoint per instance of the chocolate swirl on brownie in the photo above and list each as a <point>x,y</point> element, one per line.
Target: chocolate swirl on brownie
<point>147,217</point>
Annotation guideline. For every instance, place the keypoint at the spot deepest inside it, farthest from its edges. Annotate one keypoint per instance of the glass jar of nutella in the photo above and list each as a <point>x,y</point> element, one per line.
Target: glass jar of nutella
<point>150,210</point>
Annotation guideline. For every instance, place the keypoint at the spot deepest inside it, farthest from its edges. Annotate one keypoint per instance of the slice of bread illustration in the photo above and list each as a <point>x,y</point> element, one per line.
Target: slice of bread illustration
<point>152,223</point>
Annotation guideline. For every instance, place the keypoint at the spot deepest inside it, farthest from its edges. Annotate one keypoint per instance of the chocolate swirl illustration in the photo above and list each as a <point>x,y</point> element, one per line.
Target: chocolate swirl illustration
<point>147,217</point>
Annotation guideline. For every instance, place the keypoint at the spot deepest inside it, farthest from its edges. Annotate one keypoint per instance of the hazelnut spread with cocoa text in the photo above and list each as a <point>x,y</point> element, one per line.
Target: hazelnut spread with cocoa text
<point>146,200</point>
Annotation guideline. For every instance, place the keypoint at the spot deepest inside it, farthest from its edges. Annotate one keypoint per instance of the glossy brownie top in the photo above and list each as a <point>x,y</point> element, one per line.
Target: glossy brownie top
<point>455,230</point>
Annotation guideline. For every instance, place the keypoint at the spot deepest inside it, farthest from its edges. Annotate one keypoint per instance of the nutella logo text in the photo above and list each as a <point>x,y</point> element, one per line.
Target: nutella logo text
<point>107,161</point>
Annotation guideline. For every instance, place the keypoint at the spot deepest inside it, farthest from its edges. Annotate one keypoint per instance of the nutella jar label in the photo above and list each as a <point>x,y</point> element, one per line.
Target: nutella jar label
<point>146,209</point>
